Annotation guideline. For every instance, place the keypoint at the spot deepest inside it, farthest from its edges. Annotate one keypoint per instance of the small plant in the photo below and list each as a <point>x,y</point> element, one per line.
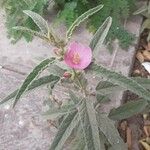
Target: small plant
<point>81,117</point>
<point>15,16</point>
<point>71,9</point>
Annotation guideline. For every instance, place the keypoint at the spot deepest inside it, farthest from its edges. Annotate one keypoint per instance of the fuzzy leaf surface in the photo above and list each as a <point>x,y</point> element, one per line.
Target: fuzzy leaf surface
<point>89,126</point>
<point>127,110</point>
<point>30,31</point>
<point>55,112</point>
<point>73,97</point>
<point>35,84</point>
<point>39,21</point>
<point>141,10</point>
<point>36,71</point>
<point>121,80</point>
<point>81,19</point>
<point>101,34</point>
<point>108,128</point>
<point>65,130</point>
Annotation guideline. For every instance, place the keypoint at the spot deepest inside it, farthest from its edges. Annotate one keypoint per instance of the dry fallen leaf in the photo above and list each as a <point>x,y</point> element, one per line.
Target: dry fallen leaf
<point>140,57</point>
<point>123,125</point>
<point>129,138</point>
<point>145,144</point>
<point>146,130</point>
<point>148,140</point>
<point>148,46</point>
<point>146,54</point>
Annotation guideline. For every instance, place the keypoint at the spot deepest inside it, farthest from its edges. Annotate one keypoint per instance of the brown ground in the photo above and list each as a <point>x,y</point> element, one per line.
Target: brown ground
<point>136,130</point>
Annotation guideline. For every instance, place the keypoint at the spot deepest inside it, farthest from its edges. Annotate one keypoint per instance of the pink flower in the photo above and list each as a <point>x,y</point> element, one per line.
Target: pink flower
<point>78,56</point>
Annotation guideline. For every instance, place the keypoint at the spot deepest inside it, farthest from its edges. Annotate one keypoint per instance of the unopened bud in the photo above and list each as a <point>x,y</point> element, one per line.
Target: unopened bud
<point>67,75</point>
<point>57,51</point>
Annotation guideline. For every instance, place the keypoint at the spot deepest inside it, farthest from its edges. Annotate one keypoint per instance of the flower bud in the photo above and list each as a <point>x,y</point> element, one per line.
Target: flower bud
<point>57,51</point>
<point>67,75</point>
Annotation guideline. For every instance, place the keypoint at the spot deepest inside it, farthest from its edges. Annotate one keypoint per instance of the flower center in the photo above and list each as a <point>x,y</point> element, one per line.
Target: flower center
<point>76,58</point>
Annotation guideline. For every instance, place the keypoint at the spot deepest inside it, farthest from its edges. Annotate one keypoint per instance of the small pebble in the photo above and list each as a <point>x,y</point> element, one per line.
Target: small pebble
<point>21,123</point>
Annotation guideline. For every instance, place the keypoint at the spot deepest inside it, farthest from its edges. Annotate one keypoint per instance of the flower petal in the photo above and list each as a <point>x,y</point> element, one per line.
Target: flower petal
<point>84,53</point>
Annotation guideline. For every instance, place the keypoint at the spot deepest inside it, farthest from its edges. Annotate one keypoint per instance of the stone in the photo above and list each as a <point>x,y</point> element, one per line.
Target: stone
<point>23,127</point>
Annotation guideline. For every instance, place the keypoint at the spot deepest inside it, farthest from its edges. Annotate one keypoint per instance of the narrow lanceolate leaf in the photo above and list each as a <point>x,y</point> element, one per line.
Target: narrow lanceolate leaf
<point>32,32</point>
<point>81,18</point>
<point>121,80</point>
<point>104,85</point>
<point>128,110</point>
<point>65,130</point>
<point>36,71</point>
<point>108,128</point>
<point>36,83</point>
<point>100,35</point>
<point>106,88</point>
<point>73,97</point>
<point>43,80</point>
<point>55,112</point>
<point>102,98</point>
<point>93,123</point>
<point>78,142</point>
<point>141,10</point>
<point>90,126</point>
<point>39,21</point>
<point>143,81</point>
<point>10,96</point>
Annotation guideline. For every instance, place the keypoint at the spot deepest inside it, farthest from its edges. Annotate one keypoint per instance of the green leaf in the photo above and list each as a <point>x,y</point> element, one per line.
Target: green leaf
<point>10,96</point>
<point>43,80</point>
<point>108,128</point>
<point>110,90</point>
<point>100,35</point>
<point>122,81</point>
<point>80,80</point>
<point>81,19</point>
<point>145,82</point>
<point>128,110</point>
<point>30,31</point>
<point>36,83</point>
<point>89,125</point>
<point>36,71</point>
<point>78,142</point>
<point>65,130</point>
<point>102,98</point>
<point>39,21</point>
<point>93,123</point>
<point>56,70</point>
<point>141,10</point>
<point>55,112</point>
<point>73,97</point>
<point>103,85</point>
<point>105,88</point>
